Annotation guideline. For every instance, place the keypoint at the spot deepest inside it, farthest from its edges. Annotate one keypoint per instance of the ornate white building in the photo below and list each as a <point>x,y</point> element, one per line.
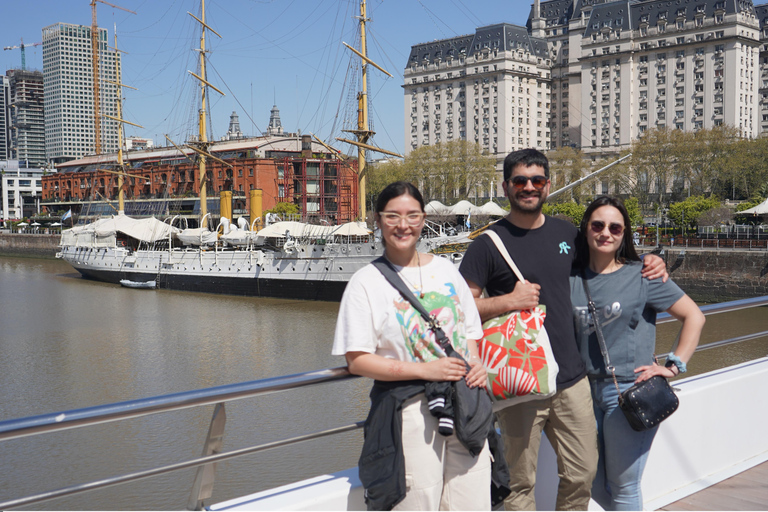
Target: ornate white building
<point>592,74</point>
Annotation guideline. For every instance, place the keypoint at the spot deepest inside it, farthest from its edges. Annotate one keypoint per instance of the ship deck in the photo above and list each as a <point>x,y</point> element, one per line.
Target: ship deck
<point>745,491</point>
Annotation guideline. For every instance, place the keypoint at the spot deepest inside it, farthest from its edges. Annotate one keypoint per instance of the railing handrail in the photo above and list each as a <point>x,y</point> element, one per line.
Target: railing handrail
<point>63,420</point>
<point>52,422</point>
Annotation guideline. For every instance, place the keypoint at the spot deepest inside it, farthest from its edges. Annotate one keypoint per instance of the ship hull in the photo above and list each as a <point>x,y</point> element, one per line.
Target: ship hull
<point>311,272</point>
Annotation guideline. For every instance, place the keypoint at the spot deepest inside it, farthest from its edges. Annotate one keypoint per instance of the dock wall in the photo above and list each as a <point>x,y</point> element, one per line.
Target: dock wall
<point>34,245</point>
<point>718,275</point>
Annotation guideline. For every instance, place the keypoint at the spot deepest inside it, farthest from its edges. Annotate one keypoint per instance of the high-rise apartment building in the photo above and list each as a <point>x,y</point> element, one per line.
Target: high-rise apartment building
<point>491,88</point>
<point>69,92</point>
<point>5,105</point>
<point>26,116</point>
<point>592,74</point>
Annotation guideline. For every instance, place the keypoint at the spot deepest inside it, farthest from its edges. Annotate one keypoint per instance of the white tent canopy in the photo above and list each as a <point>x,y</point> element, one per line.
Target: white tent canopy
<point>761,209</point>
<point>435,207</point>
<point>463,207</point>
<point>491,208</point>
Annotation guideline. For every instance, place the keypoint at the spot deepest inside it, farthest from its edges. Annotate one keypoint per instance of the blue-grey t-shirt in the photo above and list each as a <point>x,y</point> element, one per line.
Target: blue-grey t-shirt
<point>626,304</point>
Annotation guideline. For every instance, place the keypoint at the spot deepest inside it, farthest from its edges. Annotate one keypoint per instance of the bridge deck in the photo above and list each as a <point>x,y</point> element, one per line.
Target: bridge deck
<point>745,491</point>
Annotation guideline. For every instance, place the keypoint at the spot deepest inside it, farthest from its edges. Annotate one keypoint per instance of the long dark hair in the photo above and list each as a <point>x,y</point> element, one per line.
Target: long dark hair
<point>626,250</point>
<point>398,189</point>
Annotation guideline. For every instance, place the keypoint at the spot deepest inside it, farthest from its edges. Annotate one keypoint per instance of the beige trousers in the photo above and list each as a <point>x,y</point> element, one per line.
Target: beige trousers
<point>440,474</point>
<point>569,422</point>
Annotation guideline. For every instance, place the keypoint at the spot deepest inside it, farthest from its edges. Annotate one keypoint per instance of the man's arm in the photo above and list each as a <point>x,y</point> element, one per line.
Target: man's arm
<point>524,296</point>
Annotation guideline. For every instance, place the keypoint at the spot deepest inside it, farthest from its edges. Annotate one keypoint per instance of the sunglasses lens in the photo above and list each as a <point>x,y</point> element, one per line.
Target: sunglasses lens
<point>615,229</point>
<point>519,182</point>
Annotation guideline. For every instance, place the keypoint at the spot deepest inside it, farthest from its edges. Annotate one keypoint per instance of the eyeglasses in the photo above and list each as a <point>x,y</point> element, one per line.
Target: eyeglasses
<point>615,229</point>
<point>392,219</point>
<point>519,182</point>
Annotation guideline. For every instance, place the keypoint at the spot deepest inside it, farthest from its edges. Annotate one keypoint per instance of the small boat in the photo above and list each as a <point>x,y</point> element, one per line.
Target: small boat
<point>138,284</point>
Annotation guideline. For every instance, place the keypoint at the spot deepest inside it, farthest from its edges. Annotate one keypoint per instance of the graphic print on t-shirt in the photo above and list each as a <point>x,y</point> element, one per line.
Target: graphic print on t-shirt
<point>418,337</point>
<point>608,314</point>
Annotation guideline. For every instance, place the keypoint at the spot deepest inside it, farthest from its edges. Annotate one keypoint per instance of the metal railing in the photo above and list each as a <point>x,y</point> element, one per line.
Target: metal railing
<point>204,478</point>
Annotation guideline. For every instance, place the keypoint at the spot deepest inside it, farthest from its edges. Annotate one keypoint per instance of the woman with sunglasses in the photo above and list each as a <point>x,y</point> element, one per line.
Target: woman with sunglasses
<point>626,305</point>
<point>384,338</point>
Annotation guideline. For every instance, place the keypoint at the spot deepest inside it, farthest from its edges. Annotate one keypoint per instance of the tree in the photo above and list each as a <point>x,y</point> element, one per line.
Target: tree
<point>654,157</point>
<point>633,209</point>
<point>566,165</point>
<point>283,208</point>
<point>571,210</point>
<point>451,170</point>
<point>688,212</point>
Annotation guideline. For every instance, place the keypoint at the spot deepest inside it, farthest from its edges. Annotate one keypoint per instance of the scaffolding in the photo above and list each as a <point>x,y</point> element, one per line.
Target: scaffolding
<point>323,189</point>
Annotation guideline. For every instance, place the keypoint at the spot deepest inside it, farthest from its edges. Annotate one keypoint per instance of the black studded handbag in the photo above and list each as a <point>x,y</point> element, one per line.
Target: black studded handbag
<point>647,403</point>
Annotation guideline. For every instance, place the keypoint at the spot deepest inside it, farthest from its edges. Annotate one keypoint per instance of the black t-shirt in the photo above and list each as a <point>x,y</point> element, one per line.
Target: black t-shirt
<point>544,256</point>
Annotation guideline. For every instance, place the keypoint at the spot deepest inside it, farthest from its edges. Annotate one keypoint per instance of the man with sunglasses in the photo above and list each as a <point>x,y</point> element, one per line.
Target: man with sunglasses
<point>543,248</point>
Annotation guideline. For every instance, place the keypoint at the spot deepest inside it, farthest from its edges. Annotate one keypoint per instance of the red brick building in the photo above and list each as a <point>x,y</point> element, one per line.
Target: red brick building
<point>162,181</point>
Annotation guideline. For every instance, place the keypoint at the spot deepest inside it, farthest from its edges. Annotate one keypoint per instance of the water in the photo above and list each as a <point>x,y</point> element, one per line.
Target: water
<point>68,343</point>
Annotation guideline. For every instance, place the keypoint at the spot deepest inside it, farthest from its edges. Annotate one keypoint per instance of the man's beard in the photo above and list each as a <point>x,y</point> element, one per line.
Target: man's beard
<point>527,208</point>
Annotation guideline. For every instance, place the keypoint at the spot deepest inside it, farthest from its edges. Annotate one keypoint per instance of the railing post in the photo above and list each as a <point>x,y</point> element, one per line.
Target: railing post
<point>202,489</point>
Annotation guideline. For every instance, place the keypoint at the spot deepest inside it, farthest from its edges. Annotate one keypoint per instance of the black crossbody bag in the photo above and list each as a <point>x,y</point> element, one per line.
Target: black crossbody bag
<point>645,404</point>
<point>473,413</point>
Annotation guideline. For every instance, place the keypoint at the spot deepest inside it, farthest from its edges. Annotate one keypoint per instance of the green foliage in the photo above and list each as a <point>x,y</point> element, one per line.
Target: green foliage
<point>688,212</point>
<point>447,171</point>
<point>283,208</point>
<point>633,209</point>
<point>572,210</point>
<point>751,203</point>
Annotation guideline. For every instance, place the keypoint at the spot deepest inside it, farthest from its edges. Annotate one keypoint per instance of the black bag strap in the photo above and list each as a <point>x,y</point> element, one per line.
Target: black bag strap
<point>390,274</point>
<point>599,333</point>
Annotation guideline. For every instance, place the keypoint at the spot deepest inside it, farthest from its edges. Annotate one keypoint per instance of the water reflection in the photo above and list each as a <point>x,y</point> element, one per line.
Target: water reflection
<point>68,343</point>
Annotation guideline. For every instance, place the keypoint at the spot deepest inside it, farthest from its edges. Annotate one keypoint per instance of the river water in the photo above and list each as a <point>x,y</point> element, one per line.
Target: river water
<point>68,343</point>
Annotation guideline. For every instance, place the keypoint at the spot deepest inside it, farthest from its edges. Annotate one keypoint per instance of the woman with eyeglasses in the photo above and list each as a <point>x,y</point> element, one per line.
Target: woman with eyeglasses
<point>384,338</point>
<point>626,306</point>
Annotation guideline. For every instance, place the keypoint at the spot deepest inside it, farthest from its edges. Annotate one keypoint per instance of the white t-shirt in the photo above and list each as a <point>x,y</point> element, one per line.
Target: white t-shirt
<point>375,318</point>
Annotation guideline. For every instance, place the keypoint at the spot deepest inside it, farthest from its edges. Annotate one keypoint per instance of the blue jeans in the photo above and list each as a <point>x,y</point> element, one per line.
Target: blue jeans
<point>623,451</point>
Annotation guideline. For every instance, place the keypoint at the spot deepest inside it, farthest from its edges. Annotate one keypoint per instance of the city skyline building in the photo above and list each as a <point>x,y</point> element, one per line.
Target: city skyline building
<point>26,117</point>
<point>69,92</point>
<point>5,111</point>
<point>593,75</point>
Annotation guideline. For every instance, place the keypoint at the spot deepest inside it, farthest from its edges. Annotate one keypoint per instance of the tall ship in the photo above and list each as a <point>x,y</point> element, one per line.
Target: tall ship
<point>254,257</point>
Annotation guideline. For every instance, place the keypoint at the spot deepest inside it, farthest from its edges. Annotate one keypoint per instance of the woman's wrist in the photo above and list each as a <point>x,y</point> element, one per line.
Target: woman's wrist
<point>673,360</point>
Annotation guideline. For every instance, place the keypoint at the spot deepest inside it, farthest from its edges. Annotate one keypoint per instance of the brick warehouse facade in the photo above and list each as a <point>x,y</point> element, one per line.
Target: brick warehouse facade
<point>162,181</point>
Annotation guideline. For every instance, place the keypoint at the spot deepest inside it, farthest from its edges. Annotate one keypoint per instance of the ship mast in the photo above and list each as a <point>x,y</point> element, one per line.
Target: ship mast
<point>121,174</point>
<point>202,142</point>
<point>363,130</point>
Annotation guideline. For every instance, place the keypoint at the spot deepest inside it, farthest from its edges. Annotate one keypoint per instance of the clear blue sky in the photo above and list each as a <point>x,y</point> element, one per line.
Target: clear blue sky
<point>287,52</point>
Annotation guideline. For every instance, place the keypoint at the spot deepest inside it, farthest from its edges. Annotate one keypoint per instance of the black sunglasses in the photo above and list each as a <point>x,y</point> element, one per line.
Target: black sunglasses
<point>615,229</point>
<point>519,182</point>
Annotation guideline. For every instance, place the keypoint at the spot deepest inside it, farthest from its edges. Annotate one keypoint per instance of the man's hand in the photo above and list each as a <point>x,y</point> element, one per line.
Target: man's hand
<point>524,296</point>
<point>654,267</point>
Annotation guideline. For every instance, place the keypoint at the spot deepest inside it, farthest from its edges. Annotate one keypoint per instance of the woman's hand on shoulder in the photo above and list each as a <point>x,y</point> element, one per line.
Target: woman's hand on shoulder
<point>648,371</point>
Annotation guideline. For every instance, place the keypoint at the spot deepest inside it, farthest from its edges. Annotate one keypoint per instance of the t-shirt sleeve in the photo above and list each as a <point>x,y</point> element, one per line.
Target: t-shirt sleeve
<point>477,262</point>
<point>661,296</point>
<point>355,326</point>
<point>472,323</point>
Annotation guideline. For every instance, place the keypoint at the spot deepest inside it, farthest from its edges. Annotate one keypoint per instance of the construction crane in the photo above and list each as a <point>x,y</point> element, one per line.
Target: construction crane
<point>95,61</point>
<point>23,53</point>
